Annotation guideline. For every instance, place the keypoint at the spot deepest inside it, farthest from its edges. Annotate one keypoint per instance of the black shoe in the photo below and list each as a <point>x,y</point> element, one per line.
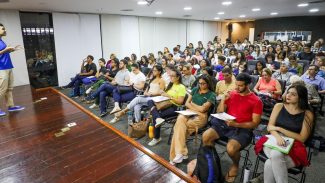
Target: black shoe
<point>103,114</point>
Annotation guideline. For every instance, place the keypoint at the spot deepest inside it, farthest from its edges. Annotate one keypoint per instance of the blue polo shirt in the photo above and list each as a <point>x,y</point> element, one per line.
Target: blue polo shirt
<point>5,60</point>
<point>318,81</point>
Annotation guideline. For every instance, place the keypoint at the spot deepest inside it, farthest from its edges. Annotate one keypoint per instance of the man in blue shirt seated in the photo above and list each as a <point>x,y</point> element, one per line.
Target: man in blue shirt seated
<point>311,77</point>
<point>6,74</point>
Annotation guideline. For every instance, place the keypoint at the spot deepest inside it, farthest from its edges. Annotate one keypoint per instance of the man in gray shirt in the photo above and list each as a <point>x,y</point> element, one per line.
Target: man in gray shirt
<point>188,79</point>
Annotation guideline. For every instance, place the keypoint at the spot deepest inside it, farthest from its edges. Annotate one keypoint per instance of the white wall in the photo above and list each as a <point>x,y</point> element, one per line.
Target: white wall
<point>11,21</point>
<point>75,36</point>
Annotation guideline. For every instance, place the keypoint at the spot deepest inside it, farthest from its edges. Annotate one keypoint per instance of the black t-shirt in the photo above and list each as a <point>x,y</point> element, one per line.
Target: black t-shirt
<point>91,67</point>
<point>306,56</point>
<point>112,73</point>
<point>103,70</point>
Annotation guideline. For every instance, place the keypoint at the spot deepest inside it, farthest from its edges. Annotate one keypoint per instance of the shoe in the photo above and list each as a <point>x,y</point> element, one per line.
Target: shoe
<point>115,110</point>
<point>88,91</point>
<point>2,113</point>
<point>92,106</point>
<point>120,114</point>
<point>172,163</point>
<point>159,121</point>
<point>179,158</point>
<point>64,87</point>
<point>103,114</point>
<point>114,120</point>
<point>154,142</point>
<point>75,96</point>
<point>15,108</point>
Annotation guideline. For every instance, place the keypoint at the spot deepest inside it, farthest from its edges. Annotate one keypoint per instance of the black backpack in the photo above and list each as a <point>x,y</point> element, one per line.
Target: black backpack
<point>208,169</point>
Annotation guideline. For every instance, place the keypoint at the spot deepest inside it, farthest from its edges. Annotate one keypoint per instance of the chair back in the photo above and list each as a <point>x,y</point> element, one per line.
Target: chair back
<point>251,64</point>
<point>305,64</point>
<point>255,79</point>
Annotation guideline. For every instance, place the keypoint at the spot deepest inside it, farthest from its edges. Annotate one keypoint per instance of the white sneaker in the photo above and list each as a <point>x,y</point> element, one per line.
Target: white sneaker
<point>172,163</point>
<point>154,142</point>
<point>179,158</point>
<point>92,106</point>
<point>159,121</point>
<point>88,91</point>
<point>115,110</point>
<point>114,120</point>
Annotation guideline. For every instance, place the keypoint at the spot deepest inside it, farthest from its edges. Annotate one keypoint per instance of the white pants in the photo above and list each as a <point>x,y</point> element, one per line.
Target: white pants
<point>276,167</point>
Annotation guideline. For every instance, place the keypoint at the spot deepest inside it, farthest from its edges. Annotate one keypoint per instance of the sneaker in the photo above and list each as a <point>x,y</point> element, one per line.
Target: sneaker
<point>2,113</point>
<point>172,163</point>
<point>179,158</point>
<point>88,91</point>
<point>159,121</point>
<point>15,108</point>
<point>154,142</point>
<point>103,114</point>
<point>114,120</point>
<point>92,106</point>
<point>115,110</point>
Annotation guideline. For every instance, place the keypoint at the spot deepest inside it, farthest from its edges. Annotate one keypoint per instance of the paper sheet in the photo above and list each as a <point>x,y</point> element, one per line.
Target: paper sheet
<point>223,116</point>
<point>187,113</point>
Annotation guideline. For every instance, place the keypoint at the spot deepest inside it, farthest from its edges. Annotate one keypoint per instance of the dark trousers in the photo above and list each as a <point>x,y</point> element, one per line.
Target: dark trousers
<point>169,112</point>
<point>75,83</point>
<point>125,97</point>
<point>102,92</point>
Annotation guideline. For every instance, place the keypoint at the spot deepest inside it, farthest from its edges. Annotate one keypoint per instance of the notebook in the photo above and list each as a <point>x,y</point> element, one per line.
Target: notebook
<point>271,143</point>
<point>187,113</point>
<point>159,98</point>
<point>223,116</point>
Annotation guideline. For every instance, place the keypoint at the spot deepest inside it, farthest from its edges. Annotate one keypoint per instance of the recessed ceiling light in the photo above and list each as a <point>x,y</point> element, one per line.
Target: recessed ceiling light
<point>242,16</point>
<point>221,13</point>
<point>142,2</point>
<point>302,4</point>
<point>256,9</point>
<point>273,13</point>
<point>159,12</point>
<point>216,18</point>
<point>226,3</point>
<point>313,10</point>
<point>187,8</point>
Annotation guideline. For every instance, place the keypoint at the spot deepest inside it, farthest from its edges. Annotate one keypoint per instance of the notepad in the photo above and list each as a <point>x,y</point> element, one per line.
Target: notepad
<point>187,113</point>
<point>159,98</point>
<point>223,116</point>
<point>271,143</point>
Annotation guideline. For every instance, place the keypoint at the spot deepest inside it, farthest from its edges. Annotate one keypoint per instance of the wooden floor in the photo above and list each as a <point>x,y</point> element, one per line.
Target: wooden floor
<point>88,152</point>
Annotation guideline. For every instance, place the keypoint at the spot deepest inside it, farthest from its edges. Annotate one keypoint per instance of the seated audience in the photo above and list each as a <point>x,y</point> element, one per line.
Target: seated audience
<point>311,77</point>
<point>226,85</point>
<point>283,73</point>
<point>281,124</point>
<point>246,107</point>
<point>271,63</point>
<point>122,78</point>
<point>176,91</point>
<point>307,54</point>
<point>321,64</point>
<point>203,64</point>
<point>88,68</point>
<point>136,83</point>
<point>188,79</point>
<point>202,98</point>
<point>259,66</point>
<point>267,85</point>
<point>294,67</point>
<point>155,87</point>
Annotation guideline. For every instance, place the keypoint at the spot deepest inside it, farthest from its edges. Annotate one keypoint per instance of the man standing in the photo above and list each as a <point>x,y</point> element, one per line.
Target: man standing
<point>6,74</point>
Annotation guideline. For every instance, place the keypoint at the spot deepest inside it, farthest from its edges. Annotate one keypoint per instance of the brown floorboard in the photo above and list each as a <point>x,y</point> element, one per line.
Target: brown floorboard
<point>88,152</point>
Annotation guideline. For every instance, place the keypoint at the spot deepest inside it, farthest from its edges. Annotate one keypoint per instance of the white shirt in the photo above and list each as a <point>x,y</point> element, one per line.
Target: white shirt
<point>137,78</point>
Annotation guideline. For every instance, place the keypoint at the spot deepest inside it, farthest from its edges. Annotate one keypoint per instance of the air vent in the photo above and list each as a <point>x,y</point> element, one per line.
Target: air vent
<point>4,1</point>
<point>127,10</point>
<point>187,16</point>
<point>228,19</point>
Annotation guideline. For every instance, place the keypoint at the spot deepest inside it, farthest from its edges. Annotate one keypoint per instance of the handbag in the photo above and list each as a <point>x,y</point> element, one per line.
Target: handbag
<point>163,104</point>
<point>124,89</point>
<point>138,130</point>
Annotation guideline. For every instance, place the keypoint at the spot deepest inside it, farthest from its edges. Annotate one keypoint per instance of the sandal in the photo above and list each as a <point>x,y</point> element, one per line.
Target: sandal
<point>230,179</point>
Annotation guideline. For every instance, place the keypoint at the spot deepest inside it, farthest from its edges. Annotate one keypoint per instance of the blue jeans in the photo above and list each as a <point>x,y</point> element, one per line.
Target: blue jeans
<point>75,83</point>
<point>169,112</point>
<point>125,97</point>
<point>103,92</point>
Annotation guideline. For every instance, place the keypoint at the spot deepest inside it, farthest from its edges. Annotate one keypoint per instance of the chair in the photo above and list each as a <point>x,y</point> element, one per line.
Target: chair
<point>283,85</point>
<point>255,79</point>
<point>251,65</point>
<point>305,64</point>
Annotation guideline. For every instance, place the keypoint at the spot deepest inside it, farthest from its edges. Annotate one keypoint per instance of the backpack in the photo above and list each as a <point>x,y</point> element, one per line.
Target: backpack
<point>208,168</point>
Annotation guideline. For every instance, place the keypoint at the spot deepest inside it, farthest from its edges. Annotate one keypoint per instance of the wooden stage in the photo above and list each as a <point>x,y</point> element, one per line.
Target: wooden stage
<point>91,151</point>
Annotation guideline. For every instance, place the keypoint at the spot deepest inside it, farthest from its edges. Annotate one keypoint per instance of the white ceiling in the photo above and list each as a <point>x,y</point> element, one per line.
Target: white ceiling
<point>201,9</point>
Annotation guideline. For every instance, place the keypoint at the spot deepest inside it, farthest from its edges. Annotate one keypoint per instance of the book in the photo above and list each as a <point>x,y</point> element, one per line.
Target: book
<point>159,98</point>
<point>223,116</point>
<point>187,113</point>
<point>272,143</point>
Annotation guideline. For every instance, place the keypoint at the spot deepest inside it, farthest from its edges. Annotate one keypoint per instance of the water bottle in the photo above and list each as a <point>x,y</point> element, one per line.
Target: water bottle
<point>246,175</point>
<point>130,117</point>
<point>151,130</point>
